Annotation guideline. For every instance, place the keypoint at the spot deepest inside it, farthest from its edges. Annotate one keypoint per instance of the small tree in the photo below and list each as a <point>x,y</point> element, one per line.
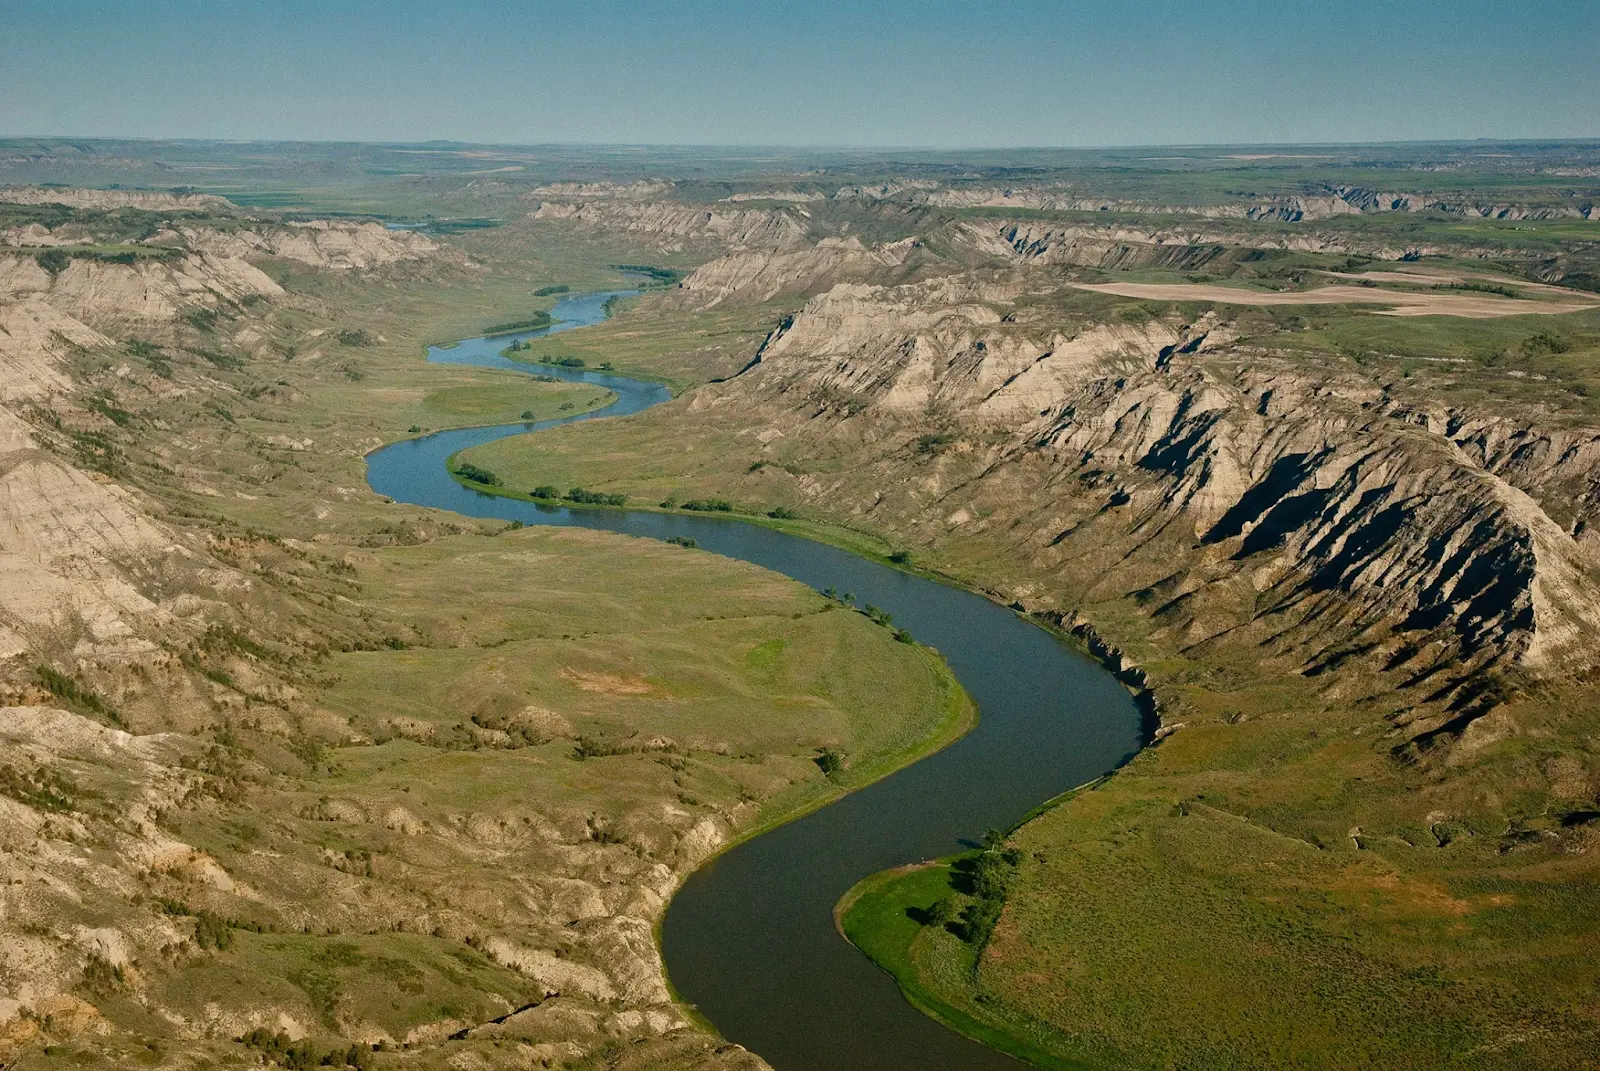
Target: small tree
<point>54,261</point>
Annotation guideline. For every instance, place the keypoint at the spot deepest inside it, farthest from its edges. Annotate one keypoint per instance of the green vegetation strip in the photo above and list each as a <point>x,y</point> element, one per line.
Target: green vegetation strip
<point>884,916</point>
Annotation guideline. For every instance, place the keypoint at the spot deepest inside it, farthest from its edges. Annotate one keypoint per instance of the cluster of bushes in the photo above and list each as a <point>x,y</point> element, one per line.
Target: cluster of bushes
<point>77,695</point>
<point>472,473</point>
<point>42,789</point>
<point>886,619</point>
<point>548,291</point>
<point>211,930</point>
<point>986,879</point>
<point>532,323</point>
<point>581,496</point>
<point>221,360</point>
<point>658,276</point>
<point>683,541</point>
<point>722,505</point>
<point>1485,288</point>
<point>304,1054</point>
<point>592,747</point>
<point>202,319</point>
<point>104,404</point>
<point>830,761</point>
<point>54,261</point>
<point>353,336</point>
<point>564,362</point>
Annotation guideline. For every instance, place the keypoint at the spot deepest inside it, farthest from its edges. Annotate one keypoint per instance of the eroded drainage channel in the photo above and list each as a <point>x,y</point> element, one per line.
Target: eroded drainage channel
<point>749,939</point>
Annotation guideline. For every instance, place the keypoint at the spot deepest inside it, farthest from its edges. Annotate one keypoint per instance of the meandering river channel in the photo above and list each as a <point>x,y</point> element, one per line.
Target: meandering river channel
<point>749,939</point>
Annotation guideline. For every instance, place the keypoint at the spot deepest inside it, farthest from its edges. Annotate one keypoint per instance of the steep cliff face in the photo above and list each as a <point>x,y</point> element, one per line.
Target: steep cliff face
<point>150,200</point>
<point>86,569</point>
<point>1319,202</point>
<point>672,226</point>
<point>1123,247</point>
<point>755,276</point>
<point>1235,496</point>
<point>331,244</point>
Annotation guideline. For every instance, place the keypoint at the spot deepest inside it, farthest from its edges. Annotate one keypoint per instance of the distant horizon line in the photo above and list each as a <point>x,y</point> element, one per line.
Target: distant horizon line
<point>804,147</point>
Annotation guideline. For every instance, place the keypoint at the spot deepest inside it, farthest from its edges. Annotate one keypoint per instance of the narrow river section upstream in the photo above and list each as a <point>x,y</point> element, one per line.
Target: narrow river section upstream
<point>749,940</point>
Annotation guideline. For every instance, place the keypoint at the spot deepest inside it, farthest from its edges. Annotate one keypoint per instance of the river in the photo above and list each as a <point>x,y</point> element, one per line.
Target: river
<point>749,939</point>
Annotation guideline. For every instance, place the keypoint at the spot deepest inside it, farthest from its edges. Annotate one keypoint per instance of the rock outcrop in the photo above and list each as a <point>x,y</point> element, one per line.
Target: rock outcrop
<point>1304,512</point>
<point>672,226</point>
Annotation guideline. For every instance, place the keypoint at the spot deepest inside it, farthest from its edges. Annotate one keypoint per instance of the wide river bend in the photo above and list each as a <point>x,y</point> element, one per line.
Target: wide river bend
<point>749,939</point>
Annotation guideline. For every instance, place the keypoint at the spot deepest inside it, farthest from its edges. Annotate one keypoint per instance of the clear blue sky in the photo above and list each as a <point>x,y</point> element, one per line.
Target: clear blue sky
<point>884,73</point>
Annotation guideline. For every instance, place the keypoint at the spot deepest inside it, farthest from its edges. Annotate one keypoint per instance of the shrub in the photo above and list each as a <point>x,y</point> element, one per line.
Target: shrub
<point>532,323</point>
<point>545,490</point>
<point>941,913</point>
<point>468,471</point>
<point>683,541</point>
<point>900,557</point>
<point>64,687</point>
<point>212,931</point>
<point>829,761</point>
<point>780,513</point>
<point>54,261</point>
<point>585,497</point>
<point>708,505</point>
<point>353,336</point>
<point>201,319</point>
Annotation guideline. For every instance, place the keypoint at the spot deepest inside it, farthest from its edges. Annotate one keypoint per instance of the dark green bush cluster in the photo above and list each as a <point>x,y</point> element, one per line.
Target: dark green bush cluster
<point>708,505</point>
<point>212,931</point>
<point>986,878</point>
<point>75,694</point>
<point>658,276</point>
<point>221,360</point>
<point>54,261</point>
<point>201,319</point>
<point>830,761</point>
<point>592,747</point>
<point>547,291</point>
<point>42,789</point>
<point>682,541</point>
<point>102,977</point>
<point>532,323</point>
<point>304,1054</point>
<point>884,618</point>
<point>585,497</point>
<point>781,513</point>
<point>353,336</point>
<point>468,471</point>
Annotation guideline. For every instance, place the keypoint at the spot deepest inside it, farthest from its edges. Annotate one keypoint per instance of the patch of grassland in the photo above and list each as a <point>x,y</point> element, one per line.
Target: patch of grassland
<point>650,339</point>
<point>884,917</point>
<point>502,403</point>
<point>1202,908</point>
<point>395,982</point>
<point>691,678</point>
